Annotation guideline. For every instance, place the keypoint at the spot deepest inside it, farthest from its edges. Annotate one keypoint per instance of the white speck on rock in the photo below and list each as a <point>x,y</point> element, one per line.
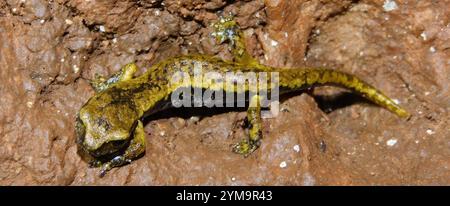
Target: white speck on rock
<point>30,104</point>
<point>233,179</point>
<point>69,22</point>
<point>162,133</point>
<point>114,40</point>
<point>432,49</point>
<point>283,164</point>
<point>430,132</point>
<point>42,21</point>
<point>297,148</point>
<point>390,5</point>
<point>75,68</point>
<point>396,101</point>
<point>391,142</point>
<point>273,43</point>
<point>102,28</point>
<point>424,36</point>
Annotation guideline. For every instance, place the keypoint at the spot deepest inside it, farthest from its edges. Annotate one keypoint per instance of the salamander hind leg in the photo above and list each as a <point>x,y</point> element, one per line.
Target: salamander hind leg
<point>253,141</point>
<point>133,151</point>
<point>100,83</point>
<point>226,29</point>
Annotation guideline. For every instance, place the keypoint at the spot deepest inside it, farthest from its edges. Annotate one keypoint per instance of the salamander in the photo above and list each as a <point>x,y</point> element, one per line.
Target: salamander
<point>109,126</point>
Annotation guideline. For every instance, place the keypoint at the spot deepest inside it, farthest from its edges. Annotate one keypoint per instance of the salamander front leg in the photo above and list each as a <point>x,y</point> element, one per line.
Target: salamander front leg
<point>253,141</point>
<point>100,83</point>
<point>134,150</point>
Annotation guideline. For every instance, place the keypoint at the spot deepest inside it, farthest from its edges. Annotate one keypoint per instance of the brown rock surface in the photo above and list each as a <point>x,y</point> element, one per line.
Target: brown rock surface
<point>50,49</point>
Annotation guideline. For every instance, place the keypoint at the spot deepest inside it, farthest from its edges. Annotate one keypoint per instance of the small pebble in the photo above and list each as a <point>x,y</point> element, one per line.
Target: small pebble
<point>283,164</point>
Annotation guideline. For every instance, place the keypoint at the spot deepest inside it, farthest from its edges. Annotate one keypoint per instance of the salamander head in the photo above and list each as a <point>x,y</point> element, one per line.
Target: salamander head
<point>103,127</point>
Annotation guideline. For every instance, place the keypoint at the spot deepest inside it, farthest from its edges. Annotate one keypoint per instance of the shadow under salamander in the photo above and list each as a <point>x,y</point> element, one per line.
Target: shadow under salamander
<point>327,103</point>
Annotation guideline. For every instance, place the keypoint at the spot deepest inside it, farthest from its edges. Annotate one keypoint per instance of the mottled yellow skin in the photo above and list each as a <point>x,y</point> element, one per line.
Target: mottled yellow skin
<point>109,126</point>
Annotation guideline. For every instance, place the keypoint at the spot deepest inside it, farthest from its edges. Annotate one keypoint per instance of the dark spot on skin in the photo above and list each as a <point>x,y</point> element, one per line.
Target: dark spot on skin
<point>125,96</point>
<point>103,123</point>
